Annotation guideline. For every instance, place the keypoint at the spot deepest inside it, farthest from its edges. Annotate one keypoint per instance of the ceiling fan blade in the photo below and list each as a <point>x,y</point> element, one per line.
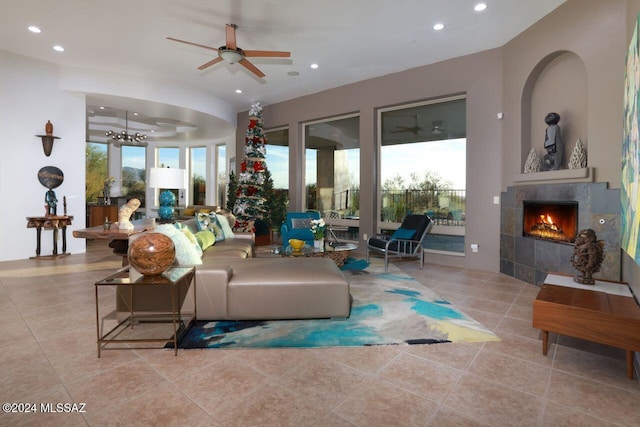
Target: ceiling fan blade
<point>249,66</point>
<point>231,37</point>
<point>192,44</point>
<point>210,63</point>
<point>266,54</point>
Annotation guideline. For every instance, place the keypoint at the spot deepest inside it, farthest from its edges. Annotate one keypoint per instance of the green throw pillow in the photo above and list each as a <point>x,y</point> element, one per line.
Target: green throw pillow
<point>205,239</point>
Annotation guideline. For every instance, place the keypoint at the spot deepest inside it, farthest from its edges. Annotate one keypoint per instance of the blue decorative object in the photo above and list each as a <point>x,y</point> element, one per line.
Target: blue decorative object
<point>167,201</point>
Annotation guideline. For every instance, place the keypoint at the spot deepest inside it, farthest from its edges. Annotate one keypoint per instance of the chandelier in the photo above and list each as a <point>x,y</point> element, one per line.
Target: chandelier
<point>125,137</point>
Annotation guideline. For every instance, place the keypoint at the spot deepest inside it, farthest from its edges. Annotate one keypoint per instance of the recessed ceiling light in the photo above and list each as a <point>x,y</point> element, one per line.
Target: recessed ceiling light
<point>102,107</point>
<point>293,73</point>
<point>238,90</point>
<point>135,114</point>
<point>314,66</point>
<point>480,7</point>
<point>34,29</point>
<point>439,26</point>
<point>58,48</point>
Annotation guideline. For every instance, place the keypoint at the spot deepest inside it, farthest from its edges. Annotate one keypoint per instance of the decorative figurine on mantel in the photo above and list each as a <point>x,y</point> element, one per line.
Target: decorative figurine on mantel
<point>578,157</point>
<point>533,163</point>
<point>553,143</point>
<point>588,255</point>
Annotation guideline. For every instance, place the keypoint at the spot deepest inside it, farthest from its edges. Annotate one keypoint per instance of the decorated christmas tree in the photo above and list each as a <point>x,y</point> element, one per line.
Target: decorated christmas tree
<point>249,206</point>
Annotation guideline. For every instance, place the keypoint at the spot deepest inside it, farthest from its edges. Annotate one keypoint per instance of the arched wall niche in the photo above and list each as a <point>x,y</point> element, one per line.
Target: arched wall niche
<point>557,83</point>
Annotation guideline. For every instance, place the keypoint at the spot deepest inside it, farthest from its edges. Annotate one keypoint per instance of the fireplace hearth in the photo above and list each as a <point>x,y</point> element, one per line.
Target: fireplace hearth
<point>550,220</point>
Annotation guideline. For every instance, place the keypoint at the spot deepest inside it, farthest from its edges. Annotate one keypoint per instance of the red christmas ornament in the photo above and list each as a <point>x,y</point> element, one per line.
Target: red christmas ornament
<point>243,166</point>
<point>252,123</point>
<point>257,167</point>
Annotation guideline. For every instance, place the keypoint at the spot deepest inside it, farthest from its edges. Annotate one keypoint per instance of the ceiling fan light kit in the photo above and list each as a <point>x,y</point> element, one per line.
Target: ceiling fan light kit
<point>230,55</point>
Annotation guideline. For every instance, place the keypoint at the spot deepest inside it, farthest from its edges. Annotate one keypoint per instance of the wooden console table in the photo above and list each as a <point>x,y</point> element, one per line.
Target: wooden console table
<point>50,223</point>
<point>606,313</point>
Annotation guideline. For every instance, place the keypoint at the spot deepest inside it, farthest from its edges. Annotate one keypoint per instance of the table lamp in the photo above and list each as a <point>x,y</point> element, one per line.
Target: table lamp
<point>167,179</point>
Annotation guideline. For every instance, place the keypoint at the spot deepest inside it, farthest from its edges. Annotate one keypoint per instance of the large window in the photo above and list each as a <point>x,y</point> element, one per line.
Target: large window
<point>198,171</point>
<point>332,172</point>
<point>277,157</point>
<point>168,157</point>
<point>134,170</point>
<point>97,170</point>
<point>423,163</point>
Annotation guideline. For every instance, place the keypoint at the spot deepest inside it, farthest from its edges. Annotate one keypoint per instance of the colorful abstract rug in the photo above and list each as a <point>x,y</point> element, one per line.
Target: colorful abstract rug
<point>388,308</point>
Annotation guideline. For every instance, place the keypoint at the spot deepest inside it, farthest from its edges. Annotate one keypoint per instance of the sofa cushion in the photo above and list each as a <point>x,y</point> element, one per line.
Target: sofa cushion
<point>205,239</point>
<point>189,212</point>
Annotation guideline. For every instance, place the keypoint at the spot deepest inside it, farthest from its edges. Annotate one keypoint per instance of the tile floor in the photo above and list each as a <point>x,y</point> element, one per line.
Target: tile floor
<point>47,313</point>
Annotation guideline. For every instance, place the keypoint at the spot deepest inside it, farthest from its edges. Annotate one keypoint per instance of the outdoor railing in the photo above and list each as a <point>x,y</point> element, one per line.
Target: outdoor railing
<point>445,206</point>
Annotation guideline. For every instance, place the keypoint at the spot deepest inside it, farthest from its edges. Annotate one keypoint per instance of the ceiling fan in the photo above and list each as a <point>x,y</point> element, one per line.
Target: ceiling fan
<point>231,53</point>
<point>436,128</point>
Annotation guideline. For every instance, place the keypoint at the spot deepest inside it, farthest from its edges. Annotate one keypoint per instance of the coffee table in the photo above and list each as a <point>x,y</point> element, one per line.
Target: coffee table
<point>338,252</point>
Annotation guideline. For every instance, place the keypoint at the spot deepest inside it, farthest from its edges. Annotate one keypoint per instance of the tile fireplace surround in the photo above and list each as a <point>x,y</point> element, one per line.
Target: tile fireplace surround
<point>530,259</point>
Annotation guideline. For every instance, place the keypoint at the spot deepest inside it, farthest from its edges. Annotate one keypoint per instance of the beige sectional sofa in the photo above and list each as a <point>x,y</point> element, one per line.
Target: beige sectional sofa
<point>233,285</point>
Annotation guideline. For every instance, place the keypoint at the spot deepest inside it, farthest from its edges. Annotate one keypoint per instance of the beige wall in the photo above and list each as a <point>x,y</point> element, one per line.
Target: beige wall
<point>478,76</point>
<point>594,30</point>
<point>595,35</point>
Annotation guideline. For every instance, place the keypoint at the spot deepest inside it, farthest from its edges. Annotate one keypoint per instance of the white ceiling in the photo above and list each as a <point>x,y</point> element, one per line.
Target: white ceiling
<point>350,40</point>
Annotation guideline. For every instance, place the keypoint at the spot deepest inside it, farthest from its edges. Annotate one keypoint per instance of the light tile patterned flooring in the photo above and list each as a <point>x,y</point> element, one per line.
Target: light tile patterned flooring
<point>48,354</point>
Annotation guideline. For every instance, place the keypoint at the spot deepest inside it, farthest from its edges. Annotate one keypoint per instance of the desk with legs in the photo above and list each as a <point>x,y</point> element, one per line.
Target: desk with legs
<point>606,313</point>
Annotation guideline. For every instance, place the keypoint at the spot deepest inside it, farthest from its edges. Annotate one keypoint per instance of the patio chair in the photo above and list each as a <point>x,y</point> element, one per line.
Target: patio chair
<point>406,241</point>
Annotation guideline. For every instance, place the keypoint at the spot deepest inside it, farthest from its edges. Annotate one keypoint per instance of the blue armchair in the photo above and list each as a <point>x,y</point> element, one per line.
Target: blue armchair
<point>297,225</point>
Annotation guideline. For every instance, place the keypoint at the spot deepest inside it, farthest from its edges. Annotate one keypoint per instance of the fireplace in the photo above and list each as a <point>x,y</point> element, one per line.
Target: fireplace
<point>532,258</point>
<point>550,220</point>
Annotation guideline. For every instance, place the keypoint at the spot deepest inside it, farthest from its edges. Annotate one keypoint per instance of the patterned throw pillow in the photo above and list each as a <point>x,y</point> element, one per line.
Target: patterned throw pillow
<point>216,227</point>
<point>226,228</point>
<point>301,223</point>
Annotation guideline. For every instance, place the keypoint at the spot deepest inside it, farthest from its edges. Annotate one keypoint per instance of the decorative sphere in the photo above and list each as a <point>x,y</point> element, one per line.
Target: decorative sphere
<point>151,253</point>
<point>167,198</point>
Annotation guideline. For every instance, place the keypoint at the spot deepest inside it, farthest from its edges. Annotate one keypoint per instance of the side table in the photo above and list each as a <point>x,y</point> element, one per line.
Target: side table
<point>605,313</point>
<point>177,279</point>
<point>50,223</point>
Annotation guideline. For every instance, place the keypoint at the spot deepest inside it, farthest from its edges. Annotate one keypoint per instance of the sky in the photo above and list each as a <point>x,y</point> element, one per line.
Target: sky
<point>446,158</point>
